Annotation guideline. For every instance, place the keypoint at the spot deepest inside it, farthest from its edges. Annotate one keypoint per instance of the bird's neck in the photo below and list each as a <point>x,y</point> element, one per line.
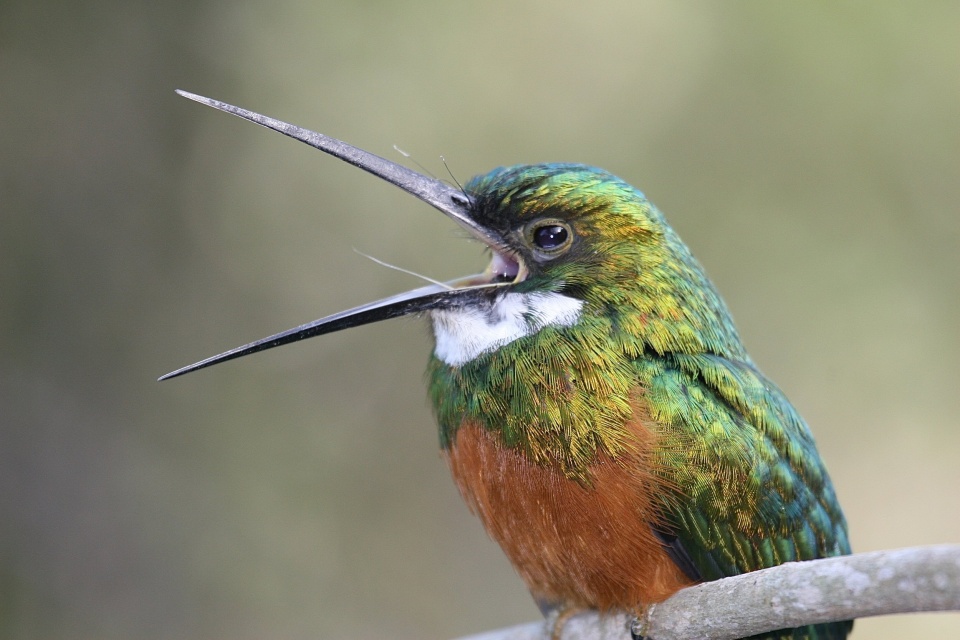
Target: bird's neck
<point>542,372</point>
<point>560,375</point>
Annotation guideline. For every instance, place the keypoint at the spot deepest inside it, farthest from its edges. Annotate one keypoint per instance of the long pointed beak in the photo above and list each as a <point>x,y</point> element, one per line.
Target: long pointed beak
<point>453,202</point>
<point>424,299</point>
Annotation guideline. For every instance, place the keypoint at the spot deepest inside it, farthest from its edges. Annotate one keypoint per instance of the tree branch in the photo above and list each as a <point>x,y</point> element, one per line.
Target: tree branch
<point>789,595</point>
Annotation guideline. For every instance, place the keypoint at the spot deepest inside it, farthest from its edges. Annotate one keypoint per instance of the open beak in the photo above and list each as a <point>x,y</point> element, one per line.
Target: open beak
<point>505,268</point>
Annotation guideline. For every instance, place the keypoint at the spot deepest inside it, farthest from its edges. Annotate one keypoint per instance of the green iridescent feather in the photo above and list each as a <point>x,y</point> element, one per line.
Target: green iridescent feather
<point>752,491</point>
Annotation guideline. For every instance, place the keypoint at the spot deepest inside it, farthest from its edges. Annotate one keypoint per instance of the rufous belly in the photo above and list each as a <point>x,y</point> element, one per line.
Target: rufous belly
<point>575,545</point>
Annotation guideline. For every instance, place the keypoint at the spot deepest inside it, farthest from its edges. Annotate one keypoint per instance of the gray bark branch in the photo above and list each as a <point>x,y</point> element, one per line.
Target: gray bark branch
<point>790,595</point>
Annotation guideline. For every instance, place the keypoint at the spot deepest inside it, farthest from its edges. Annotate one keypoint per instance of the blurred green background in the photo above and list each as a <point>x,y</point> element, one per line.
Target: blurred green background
<point>808,152</point>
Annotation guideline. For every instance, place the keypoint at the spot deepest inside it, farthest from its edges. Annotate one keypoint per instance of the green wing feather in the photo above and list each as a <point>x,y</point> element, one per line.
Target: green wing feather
<point>752,491</point>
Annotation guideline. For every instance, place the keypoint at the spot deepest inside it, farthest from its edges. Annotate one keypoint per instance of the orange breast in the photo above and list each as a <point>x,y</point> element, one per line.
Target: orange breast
<point>574,545</point>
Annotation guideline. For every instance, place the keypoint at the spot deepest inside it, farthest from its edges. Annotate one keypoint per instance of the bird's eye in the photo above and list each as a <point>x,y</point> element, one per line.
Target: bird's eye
<point>551,236</point>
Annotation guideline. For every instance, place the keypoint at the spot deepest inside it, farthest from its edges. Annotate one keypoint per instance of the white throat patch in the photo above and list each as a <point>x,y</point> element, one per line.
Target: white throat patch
<point>465,333</point>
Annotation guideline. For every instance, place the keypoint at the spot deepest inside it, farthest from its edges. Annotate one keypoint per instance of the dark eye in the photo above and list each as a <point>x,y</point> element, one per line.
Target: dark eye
<point>550,236</point>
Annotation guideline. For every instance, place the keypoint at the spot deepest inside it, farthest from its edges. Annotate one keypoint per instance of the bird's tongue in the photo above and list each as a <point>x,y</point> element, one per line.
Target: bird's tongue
<point>503,267</point>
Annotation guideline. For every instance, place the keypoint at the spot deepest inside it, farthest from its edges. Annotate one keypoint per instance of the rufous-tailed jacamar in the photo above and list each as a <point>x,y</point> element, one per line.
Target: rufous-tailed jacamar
<point>596,406</point>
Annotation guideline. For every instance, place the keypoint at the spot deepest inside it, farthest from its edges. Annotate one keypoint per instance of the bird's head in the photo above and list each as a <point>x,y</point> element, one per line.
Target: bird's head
<point>567,240</point>
<point>567,227</point>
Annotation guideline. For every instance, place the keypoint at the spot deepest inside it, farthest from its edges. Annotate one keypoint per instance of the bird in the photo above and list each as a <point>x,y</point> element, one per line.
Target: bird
<point>596,406</point>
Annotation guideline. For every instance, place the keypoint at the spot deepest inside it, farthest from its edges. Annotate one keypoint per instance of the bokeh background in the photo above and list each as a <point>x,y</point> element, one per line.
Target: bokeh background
<point>808,152</point>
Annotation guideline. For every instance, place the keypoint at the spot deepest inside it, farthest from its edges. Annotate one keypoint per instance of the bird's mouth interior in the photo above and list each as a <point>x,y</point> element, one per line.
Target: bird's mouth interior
<point>504,268</point>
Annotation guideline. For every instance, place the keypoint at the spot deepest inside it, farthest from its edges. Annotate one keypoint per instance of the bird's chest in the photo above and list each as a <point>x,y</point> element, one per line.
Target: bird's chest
<point>540,425</point>
<point>560,393</point>
<point>574,544</point>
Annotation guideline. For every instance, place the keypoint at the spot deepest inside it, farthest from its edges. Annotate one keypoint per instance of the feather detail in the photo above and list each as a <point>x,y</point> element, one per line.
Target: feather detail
<point>575,544</point>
